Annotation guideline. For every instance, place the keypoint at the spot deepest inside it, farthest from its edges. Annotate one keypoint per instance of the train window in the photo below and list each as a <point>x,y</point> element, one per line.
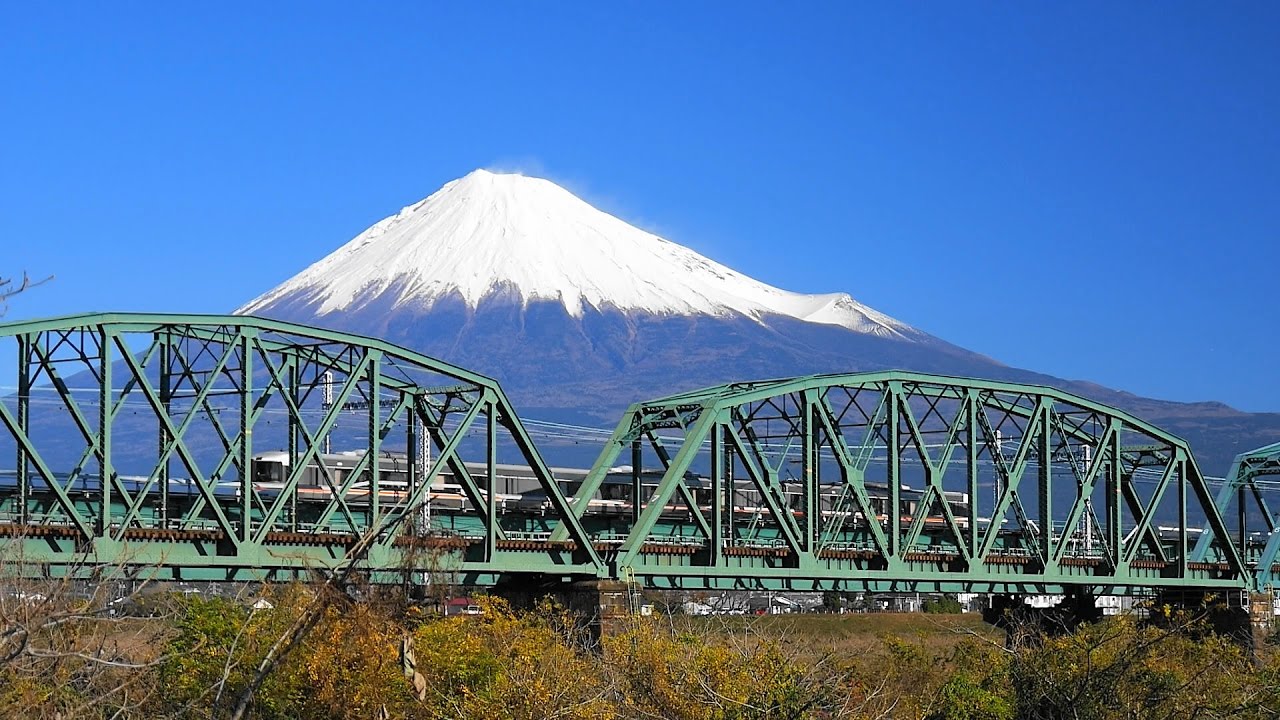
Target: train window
<point>268,472</point>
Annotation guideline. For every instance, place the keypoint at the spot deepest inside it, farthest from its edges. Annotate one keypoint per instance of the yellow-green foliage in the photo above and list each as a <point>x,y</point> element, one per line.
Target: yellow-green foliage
<point>692,677</point>
<point>510,665</point>
<point>976,685</point>
<point>349,666</point>
<point>1118,669</point>
<point>506,665</point>
<point>218,648</point>
<point>47,695</point>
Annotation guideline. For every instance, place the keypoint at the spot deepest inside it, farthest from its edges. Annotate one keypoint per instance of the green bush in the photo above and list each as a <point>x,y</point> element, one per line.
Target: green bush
<point>945,605</point>
<point>961,698</point>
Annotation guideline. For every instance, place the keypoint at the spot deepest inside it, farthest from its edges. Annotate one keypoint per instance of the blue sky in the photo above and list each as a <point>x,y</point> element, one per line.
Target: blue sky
<point>1089,189</point>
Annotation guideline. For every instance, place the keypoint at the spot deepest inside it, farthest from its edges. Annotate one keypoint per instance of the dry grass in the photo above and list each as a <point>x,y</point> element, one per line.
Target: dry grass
<point>854,633</point>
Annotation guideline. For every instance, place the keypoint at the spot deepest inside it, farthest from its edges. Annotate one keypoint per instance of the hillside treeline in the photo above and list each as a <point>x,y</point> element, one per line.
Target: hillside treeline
<point>197,657</point>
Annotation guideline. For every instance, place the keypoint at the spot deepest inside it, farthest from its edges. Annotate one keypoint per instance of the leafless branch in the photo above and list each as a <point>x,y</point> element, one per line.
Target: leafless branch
<point>8,289</point>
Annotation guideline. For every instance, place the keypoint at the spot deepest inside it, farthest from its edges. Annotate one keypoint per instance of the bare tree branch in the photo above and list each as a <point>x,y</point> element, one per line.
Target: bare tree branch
<point>8,289</point>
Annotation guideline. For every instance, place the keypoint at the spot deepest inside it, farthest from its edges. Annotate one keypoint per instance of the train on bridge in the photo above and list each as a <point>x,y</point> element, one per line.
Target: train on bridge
<point>446,508</point>
<point>882,481</point>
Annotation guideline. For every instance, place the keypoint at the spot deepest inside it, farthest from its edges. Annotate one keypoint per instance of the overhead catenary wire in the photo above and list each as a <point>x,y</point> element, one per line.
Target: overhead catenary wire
<point>548,430</point>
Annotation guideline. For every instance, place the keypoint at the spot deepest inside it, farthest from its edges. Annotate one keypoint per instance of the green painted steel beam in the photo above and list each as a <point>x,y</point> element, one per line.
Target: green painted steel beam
<point>740,393</point>
<point>153,322</point>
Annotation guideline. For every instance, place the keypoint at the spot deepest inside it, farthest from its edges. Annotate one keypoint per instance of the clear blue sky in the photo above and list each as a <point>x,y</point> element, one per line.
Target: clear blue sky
<point>1086,189</point>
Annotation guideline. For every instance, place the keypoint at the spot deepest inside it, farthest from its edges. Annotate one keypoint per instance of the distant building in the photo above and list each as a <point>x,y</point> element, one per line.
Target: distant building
<point>696,608</point>
<point>462,606</point>
<point>771,605</point>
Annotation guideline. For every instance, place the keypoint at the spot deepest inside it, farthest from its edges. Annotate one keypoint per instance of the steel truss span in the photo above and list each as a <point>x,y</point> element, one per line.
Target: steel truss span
<point>910,482</point>
<point>227,448</point>
<point>137,449</point>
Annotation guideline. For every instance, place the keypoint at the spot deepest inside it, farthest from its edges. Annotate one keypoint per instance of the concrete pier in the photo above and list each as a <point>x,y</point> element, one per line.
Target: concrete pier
<point>600,606</point>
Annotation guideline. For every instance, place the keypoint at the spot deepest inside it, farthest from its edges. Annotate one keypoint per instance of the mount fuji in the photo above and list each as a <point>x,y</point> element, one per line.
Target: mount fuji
<point>578,313</point>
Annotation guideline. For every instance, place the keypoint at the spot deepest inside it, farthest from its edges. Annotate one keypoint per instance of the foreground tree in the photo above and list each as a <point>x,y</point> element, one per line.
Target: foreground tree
<point>78,648</point>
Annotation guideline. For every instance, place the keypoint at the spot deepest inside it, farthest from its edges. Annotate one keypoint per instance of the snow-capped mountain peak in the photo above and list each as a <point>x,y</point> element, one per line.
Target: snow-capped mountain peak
<point>490,234</point>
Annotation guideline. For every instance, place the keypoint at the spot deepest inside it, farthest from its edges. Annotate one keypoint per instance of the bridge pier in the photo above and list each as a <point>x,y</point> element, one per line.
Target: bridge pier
<point>1022,622</point>
<point>599,606</point>
<point>602,604</point>
<point>1226,614</point>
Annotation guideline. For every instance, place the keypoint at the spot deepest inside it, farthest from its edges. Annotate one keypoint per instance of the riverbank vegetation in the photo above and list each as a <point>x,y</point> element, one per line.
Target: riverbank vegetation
<point>193,656</point>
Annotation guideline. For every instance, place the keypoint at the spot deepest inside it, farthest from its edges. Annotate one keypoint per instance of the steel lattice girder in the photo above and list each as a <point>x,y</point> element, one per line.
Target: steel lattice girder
<point>1248,485</point>
<point>905,480</point>
<point>206,385</point>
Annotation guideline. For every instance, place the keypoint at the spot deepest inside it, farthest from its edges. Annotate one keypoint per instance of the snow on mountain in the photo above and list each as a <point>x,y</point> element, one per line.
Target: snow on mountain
<point>489,235</point>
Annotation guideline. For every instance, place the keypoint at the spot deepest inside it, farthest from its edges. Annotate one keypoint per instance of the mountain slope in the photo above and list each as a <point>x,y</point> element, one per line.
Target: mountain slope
<point>578,313</point>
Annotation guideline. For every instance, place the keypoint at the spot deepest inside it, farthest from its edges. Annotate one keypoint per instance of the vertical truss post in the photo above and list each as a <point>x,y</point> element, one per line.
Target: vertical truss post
<point>1115,472</point>
<point>24,423</point>
<point>327,396</point>
<point>1046,484</point>
<point>375,437</point>
<point>637,478</point>
<point>895,470</point>
<point>244,340</point>
<point>411,455</point>
<point>1183,545</point>
<point>491,473</point>
<point>293,393</point>
<point>162,339</point>
<point>106,338</point>
<point>730,484</point>
<point>717,494</point>
<point>971,469</point>
<point>1242,520</point>
<point>810,470</point>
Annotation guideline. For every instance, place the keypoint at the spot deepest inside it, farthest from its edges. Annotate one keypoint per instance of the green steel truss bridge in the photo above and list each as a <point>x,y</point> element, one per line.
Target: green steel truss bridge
<point>225,448</point>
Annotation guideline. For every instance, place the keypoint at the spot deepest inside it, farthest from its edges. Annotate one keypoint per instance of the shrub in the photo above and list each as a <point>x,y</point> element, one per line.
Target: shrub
<point>946,604</point>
